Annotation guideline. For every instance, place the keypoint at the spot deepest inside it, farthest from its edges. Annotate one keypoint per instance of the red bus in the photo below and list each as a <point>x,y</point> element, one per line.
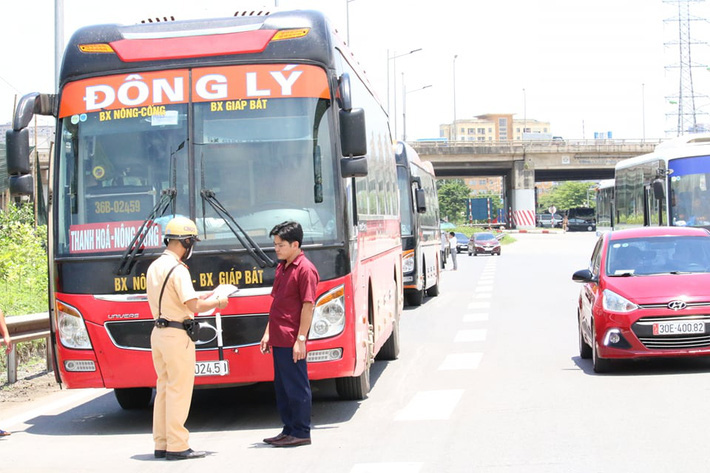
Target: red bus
<point>239,124</point>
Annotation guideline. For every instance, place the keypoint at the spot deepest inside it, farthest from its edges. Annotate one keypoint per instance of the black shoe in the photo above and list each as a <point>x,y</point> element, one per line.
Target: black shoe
<point>271,440</point>
<point>188,454</point>
<point>291,441</point>
<point>159,453</point>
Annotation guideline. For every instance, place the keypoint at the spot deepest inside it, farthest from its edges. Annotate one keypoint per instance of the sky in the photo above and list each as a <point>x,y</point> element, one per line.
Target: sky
<point>585,66</point>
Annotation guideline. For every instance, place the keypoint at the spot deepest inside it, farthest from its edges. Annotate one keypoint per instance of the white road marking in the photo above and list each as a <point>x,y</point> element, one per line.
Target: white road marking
<point>476,335</point>
<point>483,289</point>
<point>387,467</point>
<point>431,405</point>
<point>461,361</point>
<point>481,317</point>
<point>482,295</point>
<point>479,305</point>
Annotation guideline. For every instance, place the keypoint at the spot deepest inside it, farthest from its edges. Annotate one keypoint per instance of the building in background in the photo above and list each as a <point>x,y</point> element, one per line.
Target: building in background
<point>493,127</point>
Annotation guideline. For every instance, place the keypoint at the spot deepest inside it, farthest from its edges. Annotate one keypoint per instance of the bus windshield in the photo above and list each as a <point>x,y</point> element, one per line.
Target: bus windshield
<point>266,161</point>
<point>690,199</point>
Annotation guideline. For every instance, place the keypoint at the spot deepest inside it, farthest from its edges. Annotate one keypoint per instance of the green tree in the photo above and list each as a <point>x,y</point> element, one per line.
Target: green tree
<point>23,262</point>
<point>567,195</point>
<point>452,199</point>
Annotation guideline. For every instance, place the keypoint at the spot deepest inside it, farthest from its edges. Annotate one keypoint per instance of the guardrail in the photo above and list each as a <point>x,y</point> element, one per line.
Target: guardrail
<point>25,328</point>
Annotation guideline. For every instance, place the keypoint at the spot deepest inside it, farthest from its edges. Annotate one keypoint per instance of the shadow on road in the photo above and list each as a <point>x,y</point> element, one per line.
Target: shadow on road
<point>647,366</point>
<point>213,410</point>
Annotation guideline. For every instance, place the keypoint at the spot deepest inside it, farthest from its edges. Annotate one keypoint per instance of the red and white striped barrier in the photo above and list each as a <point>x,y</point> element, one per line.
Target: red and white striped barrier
<point>524,218</point>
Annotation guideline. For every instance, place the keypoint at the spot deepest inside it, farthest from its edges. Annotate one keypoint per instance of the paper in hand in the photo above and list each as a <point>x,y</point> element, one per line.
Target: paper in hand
<point>223,290</point>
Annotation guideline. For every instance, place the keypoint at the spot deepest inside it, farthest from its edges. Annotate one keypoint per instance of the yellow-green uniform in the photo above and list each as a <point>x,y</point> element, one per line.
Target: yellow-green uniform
<point>173,352</point>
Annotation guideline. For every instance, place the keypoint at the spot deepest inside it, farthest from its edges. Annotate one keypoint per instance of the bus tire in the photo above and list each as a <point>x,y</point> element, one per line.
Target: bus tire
<point>133,398</point>
<point>354,388</point>
<point>390,350</point>
<point>415,298</point>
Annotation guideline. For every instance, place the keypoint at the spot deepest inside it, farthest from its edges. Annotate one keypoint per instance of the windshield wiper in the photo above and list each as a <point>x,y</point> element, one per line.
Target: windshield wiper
<point>167,197</point>
<point>136,245</point>
<point>261,258</point>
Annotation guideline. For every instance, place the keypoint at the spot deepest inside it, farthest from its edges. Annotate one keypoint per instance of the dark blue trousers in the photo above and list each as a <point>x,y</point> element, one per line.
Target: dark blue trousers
<point>293,393</point>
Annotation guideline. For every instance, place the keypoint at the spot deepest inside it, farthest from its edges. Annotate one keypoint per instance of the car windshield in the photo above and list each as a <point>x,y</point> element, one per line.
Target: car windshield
<point>461,237</point>
<point>658,255</point>
<point>484,236</point>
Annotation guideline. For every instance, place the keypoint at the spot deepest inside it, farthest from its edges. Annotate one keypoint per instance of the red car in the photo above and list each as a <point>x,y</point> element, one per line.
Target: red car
<point>646,294</point>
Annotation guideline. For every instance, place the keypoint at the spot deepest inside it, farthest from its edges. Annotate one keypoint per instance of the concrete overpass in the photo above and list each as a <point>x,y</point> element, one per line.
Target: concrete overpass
<point>523,163</point>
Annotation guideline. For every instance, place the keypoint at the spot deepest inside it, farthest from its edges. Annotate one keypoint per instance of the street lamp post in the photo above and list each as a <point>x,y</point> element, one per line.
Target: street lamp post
<point>404,105</point>
<point>454,134</point>
<point>525,113</point>
<point>394,58</point>
<point>347,17</point>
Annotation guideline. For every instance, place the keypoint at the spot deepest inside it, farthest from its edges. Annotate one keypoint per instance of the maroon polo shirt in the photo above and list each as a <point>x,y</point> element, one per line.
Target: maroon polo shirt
<point>293,285</point>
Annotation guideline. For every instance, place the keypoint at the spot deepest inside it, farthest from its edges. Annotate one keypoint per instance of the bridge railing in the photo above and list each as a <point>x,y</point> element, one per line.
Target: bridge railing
<point>559,146</point>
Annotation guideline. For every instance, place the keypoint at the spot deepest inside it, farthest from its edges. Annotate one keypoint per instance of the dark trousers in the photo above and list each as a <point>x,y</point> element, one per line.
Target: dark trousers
<point>293,393</point>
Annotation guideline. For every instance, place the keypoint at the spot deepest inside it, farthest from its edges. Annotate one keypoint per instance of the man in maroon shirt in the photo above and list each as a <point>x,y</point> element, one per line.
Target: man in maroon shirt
<point>290,316</point>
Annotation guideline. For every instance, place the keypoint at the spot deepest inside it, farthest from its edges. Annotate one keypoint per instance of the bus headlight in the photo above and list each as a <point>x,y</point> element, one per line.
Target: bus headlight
<point>408,261</point>
<point>70,327</point>
<point>329,314</point>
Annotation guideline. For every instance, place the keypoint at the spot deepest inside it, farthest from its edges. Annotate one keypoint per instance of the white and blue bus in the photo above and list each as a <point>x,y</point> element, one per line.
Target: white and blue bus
<point>667,187</point>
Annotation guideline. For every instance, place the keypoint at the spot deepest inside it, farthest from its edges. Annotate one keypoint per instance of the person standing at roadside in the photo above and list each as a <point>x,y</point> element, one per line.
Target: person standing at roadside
<point>8,348</point>
<point>173,301</point>
<point>452,247</point>
<point>290,316</point>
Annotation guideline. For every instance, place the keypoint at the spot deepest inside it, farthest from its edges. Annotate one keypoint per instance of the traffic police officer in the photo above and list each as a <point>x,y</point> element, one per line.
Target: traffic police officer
<point>173,301</point>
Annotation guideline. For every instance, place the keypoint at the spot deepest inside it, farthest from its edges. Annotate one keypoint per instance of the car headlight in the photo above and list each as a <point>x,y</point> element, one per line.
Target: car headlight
<point>70,327</point>
<point>408,261</point>
<point>612,301</point>
<point>329,314</point>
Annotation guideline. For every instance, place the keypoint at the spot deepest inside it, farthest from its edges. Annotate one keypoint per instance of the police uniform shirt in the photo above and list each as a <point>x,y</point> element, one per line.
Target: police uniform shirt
<point>178,290</point>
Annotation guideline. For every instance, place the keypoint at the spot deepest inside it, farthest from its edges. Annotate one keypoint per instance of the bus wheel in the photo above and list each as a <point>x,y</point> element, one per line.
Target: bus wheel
<point>133,398</point>
<point>354,388</point>
<point>415,298</point>
<point>390,350</point>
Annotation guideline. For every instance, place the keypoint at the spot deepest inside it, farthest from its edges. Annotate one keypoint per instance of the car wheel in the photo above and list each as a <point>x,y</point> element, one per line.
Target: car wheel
<point>600,365</point>
<point>585,351</point>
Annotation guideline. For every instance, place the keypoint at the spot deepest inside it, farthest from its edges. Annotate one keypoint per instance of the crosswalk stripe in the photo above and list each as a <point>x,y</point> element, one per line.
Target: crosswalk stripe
<point>431,405</point>
<point>461,361</point>
<point>476,335</point>
<point>387,467</point>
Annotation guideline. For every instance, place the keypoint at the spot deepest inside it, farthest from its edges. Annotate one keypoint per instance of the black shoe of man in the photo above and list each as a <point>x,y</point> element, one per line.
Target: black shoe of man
<point>291,441</point>
<point>271,440</point>
<point>159,453</point>
<point>188,454</point>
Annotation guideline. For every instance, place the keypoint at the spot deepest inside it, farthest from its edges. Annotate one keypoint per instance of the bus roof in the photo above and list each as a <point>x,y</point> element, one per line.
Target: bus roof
<point>684,146</point>
<point>405,155</point>
<point>299,36</point>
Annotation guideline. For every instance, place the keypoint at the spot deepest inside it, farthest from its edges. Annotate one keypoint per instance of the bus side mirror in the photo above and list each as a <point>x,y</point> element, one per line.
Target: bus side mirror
<point>420,200</point>
<point>18,151</point>
<point>353,136</point>
<point>22,185</point>
<point>353,167</point>
<point>353,143</point>
<point>658,191</point>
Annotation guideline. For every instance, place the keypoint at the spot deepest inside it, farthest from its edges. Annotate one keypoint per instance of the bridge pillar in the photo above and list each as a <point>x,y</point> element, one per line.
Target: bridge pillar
<point>523,194</point>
